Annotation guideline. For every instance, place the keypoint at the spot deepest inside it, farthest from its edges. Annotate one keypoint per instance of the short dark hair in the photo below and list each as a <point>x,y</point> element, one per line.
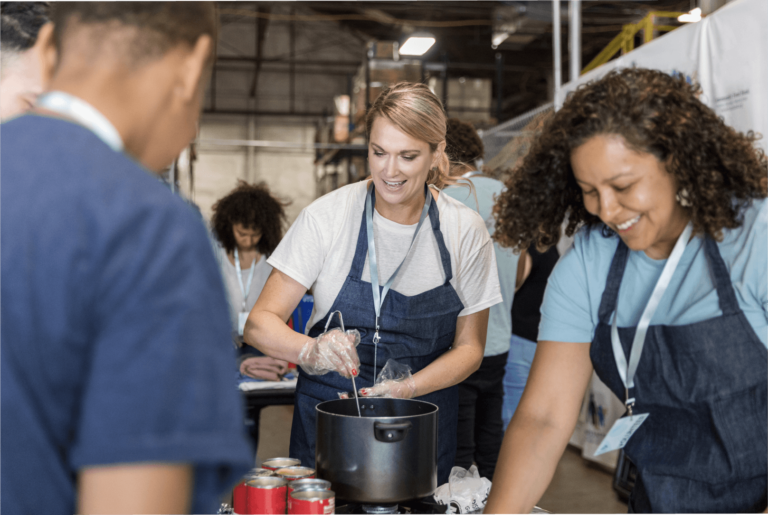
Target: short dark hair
<point>253,206</point>
<point>462,142</point>
<point>163,25</point>
<point>20,23</point>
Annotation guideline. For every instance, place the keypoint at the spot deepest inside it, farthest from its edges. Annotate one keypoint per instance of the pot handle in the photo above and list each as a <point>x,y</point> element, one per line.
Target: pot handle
<point>391,433</point>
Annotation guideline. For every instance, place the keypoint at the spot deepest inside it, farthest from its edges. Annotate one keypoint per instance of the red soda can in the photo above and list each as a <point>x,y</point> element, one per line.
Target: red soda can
<point>279,463</point>
<point>266,495</point>
<point>238,494</point>
<point>314,502</point>
<point>308,484</point>
<point>293,473</point>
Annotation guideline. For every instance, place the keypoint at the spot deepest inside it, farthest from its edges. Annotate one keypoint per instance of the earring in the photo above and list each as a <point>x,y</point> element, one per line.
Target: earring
<point>683,198</point>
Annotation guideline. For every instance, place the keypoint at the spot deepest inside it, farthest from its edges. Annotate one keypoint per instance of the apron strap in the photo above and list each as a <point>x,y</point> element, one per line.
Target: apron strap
<point>612,284</point>
<point>726,297</point>
<point>361,250</point>
<point>445,256</point>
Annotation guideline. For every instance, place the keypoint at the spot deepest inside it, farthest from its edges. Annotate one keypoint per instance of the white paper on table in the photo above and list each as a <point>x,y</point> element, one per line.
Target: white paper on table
<point>286,384</point>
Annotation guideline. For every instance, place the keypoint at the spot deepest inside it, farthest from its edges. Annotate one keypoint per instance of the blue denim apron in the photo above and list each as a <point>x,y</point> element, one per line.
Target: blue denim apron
<point>414,331</point>
<point>704,446</point>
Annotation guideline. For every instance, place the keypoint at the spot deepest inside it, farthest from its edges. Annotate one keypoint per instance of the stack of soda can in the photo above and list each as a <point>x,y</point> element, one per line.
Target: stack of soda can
<point>283,486</point>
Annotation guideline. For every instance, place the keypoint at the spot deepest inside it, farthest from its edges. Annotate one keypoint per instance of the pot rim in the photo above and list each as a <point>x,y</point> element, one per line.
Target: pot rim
<point>317,408</point>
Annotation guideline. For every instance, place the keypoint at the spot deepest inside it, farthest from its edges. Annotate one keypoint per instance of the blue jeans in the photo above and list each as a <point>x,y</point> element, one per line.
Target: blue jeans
<point>519,361</point>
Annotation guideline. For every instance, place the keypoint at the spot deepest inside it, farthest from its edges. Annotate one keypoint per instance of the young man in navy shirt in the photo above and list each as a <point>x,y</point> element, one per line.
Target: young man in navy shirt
<point>117,372</point>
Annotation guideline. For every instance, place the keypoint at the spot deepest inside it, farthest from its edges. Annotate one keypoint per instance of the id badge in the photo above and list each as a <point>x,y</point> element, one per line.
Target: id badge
<point>241,318</point>
<point>620,433</point>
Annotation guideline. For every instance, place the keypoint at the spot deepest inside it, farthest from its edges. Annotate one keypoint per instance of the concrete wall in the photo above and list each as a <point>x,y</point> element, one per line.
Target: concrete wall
<point>288,172</point>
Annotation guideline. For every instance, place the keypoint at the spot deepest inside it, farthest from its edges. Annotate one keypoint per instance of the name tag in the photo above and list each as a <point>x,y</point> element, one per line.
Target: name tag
<point>620,433</point>
<point>241,318</point>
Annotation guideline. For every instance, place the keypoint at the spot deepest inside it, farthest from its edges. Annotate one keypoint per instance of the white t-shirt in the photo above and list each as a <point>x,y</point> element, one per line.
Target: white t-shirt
<point>319,248</point>
<point>234,294</point>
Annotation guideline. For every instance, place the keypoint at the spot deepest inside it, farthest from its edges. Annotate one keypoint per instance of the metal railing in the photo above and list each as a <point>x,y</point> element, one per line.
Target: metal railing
<point>625,41</point>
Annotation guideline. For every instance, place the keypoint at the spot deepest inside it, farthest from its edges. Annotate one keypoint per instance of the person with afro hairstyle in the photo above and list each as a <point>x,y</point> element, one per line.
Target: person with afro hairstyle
<point>664,294</point>
<point>20,79</point>
<point>248,224</point>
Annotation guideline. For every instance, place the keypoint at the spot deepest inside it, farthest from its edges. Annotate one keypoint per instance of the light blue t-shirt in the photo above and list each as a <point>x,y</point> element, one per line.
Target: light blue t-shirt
<point>500,317</point>
<point>572,299</point>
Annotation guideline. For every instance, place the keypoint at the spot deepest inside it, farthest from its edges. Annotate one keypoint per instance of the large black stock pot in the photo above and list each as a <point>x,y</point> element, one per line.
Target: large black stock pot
<point>387,455</point>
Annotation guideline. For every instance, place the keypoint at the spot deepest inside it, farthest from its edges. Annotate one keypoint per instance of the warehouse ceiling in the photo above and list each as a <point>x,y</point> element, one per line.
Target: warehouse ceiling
<point>464,32</point>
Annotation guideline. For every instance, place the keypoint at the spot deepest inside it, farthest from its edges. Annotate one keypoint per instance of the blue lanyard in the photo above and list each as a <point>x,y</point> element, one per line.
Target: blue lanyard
<point>378,297</point>
<point>627,371</point>
<point>247,288</point>
<point>83,113</point>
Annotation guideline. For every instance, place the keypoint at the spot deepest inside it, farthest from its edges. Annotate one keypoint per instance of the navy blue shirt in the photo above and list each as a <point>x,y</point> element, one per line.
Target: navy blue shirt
<point>115,330</point>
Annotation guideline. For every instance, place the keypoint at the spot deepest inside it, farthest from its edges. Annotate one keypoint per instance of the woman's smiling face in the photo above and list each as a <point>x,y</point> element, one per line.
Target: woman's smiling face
<point>399,164</point>
<point>631,192</point>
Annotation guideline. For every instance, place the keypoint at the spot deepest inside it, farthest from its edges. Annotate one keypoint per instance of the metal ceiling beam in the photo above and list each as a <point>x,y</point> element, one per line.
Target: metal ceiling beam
<point>297,71</point>
<point>252,112</point>
<point>299,62</point>
<point>439,67</point>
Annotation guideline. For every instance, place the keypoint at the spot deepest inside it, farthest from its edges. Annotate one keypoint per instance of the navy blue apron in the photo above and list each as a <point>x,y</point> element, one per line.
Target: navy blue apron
<point>414,331</point>
<point>704,446</point>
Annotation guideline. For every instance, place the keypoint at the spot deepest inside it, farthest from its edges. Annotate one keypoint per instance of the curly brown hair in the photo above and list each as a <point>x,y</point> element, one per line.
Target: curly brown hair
<point>721,169</point>
<point>253,206</point>
<point>462,142</point>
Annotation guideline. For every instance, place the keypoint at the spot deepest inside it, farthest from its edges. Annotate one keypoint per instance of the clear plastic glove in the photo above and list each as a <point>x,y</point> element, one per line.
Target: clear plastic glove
<point>264,367</point>
<point>394,381</point>
<point>332,351</point>
<point>465,491</point>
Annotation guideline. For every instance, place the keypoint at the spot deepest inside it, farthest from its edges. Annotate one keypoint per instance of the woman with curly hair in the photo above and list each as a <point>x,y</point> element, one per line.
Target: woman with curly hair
<point>661,195</point>
<point>248,224</point>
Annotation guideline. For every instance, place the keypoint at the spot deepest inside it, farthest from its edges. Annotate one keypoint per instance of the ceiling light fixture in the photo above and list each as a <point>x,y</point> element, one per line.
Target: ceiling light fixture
<point>498,38</point>
<point>691,17</point>
<point>417,45</point>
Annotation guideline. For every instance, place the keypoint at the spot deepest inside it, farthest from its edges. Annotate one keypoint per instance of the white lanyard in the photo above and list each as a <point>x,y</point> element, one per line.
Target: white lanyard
<point>378,297</point>
<point>627,371</point>
<point>83,113</point>
<point>247,288</point>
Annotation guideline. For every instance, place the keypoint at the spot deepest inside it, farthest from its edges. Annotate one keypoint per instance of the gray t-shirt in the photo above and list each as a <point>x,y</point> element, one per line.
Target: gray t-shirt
<point>234,293</point>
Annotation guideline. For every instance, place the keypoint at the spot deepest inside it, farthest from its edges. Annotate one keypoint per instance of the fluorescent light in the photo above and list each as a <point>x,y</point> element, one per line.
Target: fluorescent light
<point>692,16</point>
<point>417,45</point>
<point>498,38</point>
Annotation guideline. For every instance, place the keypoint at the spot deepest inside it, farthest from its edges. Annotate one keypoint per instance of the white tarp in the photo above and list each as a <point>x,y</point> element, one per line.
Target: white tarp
<point>726,53</point>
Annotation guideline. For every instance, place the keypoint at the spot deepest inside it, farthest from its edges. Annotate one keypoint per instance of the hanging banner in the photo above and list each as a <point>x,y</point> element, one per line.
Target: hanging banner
<point>726,53</point>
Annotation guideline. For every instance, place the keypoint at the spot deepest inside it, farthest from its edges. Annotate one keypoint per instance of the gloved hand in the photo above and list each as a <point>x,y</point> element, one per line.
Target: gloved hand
<point>394,381</point>
<point>332,351</point>
<point>402,389</point>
